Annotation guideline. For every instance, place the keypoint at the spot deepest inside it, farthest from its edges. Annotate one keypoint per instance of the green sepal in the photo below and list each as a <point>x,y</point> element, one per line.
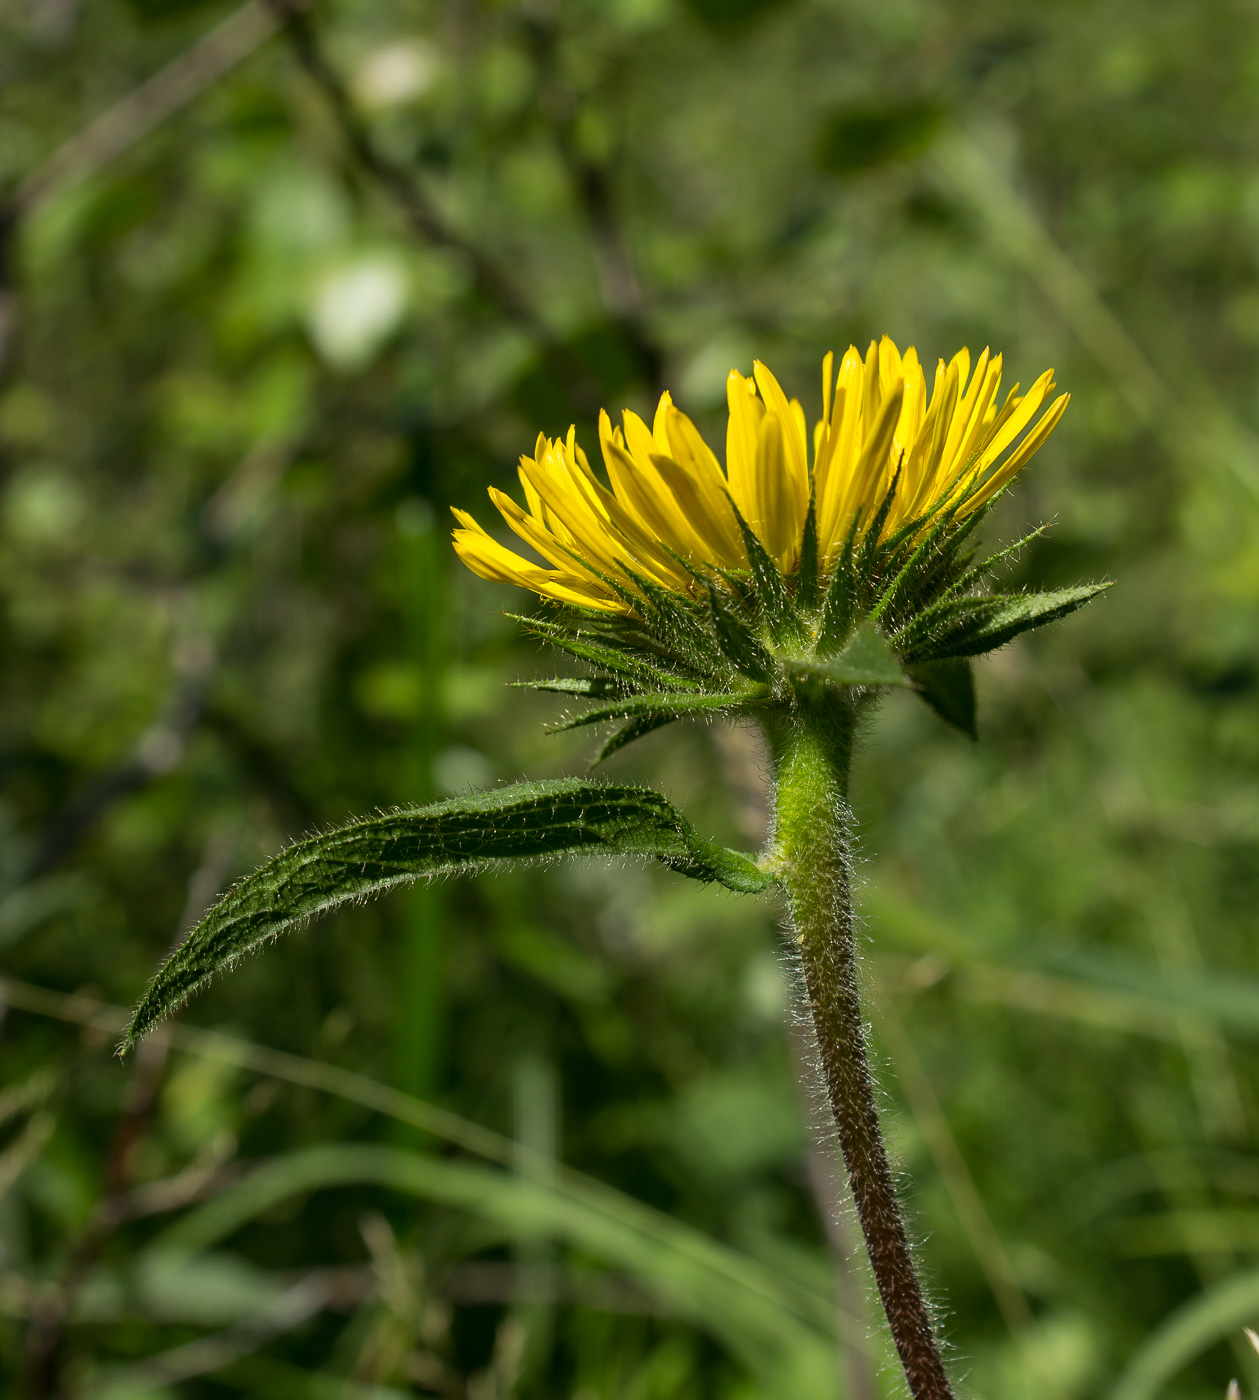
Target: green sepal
<point>839,609</point>
<point>737,641</point>
<point>867,660</point>
<point>970,578</point>
<point>948,686</point>
<point>930,570</point>
<point>636,728</point>
<point>772,597</point>
<point>619,661</point>
<point>973,626</point>
<point>871,545</point>
<point>676,706</point>
<point>522,822</point>
<point>678,626</point>
<point>589,687</point>
<point>807,577</point>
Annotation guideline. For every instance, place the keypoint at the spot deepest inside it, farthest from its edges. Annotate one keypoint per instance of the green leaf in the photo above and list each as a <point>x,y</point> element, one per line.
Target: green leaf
<point>521,822</point>
<point>949,688</point>
<point>675,706</point>
<point>972,577</point>
<point>866,660</point>
<point>973,626</point>
<point>871,540</point>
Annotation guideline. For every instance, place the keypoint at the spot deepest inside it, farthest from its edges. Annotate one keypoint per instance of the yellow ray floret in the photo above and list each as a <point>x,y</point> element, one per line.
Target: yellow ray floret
<point>668,504</point>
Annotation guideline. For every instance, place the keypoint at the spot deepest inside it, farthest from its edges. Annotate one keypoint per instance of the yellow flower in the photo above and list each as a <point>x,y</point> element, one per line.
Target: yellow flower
<point>667,499</point>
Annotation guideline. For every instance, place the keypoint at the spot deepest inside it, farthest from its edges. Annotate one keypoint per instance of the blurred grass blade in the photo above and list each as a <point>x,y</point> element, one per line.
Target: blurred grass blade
<point>660,1235</point>
<point>521,822</point>
<point>776,1327</point>
<point>1188,1332</point>
<point>1230,998</point>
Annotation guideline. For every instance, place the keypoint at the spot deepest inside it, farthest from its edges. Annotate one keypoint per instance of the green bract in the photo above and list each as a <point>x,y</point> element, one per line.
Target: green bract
<point>908,610</point>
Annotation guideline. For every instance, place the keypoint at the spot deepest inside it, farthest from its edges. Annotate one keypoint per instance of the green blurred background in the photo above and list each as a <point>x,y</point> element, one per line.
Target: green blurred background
<point>271,300</point>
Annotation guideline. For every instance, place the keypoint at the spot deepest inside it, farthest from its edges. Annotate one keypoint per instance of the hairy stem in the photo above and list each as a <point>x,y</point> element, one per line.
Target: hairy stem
<point>811,752</point>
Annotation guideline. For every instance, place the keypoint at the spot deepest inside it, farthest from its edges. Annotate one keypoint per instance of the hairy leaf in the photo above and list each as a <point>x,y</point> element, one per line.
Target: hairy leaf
<point>675,622</point>
<point>868,660</point>
<point>869,550</point>
<point>929,571</point>
<point>971,577</point>
<point>521,822</point>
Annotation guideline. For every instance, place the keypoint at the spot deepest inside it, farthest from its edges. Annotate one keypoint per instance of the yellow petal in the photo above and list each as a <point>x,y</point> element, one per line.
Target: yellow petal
<point>873,395</point>
<point>576,522</point>
<point>840,453</point>
<point>1022,455</point>
<point>692,453</point>
<point>1023,413</point>
<point>659,431</point>
<point>870,477</point>
<point>780,508</point>
<point>640,489</point>
<point>935,430</point>
<point>490,560</point>
<point>791,424</point>
<point>686,496</point>
<point>912,405</point>
<point>963,417</point>
<point>639,439</point>
<point>890,367</point>
<point>532,499</point>
<point>828,386</point>
<point>976,433</point>
<point>533,534</point>
<point>746,412</point>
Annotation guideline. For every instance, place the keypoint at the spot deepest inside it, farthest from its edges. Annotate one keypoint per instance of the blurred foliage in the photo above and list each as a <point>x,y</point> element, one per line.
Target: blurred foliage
<point>258,335</point>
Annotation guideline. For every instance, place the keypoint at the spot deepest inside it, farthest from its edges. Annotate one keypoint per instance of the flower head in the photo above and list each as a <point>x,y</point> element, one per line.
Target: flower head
<point>814,569</point>
<point>670,514</point>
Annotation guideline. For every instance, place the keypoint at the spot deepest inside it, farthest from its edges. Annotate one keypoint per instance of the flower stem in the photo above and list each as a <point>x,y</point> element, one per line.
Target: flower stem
<point>811,751</point>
